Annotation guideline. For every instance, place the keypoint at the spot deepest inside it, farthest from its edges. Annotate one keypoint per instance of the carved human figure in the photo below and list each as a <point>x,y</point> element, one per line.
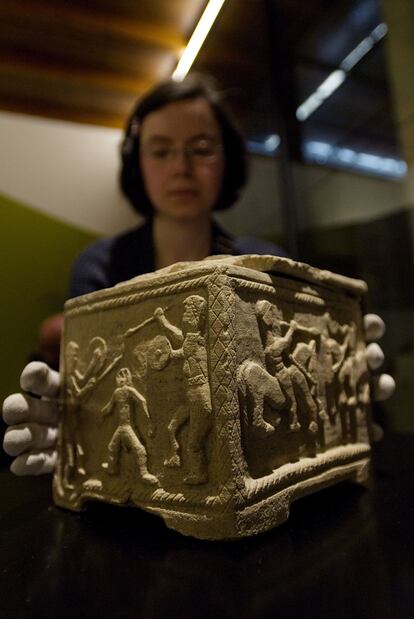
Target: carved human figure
<point>196,409</point>
<point>79,386</point>
<point>305,358</point>
<point>74,450</point>
<point>354,393</point>
<point>333,356</point>
<point>80,383</point>
<point>362,382</point>
<point>125,401</point>
<point>292,377</point>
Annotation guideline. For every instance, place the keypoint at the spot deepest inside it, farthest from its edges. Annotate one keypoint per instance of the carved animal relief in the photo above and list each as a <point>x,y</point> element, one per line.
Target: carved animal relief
<point>214,393</point>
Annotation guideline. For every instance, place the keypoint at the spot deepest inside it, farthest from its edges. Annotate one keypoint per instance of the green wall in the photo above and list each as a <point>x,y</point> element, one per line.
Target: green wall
<point>36,255</point>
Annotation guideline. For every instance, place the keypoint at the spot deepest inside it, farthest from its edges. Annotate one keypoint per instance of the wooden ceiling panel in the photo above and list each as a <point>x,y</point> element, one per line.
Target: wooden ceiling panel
<point>181,15</point>
<point>87,103</point>
<point>51,51</point>
<point>135,64</point>
<point>50,16</point>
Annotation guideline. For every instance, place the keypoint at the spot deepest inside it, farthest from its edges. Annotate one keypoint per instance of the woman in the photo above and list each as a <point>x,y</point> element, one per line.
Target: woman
<point>182,158</point>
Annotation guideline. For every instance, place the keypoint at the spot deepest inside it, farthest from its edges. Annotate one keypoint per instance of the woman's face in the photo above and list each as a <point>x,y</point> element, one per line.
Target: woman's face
<point>181,159</point>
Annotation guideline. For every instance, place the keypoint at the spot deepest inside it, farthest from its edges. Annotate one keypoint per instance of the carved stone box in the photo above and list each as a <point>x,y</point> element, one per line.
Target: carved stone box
<point>214,393</point>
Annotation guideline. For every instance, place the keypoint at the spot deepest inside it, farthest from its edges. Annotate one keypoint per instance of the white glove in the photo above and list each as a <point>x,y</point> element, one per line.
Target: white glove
<point>32,434</point>
<point>383,385</point>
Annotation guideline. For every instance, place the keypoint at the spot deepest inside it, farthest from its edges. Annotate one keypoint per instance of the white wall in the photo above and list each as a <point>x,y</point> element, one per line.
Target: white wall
<point>325,197</point>
<point>258,212</point>
<point>329,197</point>
<point>64,169</point>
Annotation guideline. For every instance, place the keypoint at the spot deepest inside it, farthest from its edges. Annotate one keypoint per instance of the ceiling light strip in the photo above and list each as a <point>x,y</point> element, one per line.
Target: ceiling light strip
<point>364,47</point>
<point>336,78</point>
<point>197,39</point>
<point>324,153</point>
<point>325,90</point>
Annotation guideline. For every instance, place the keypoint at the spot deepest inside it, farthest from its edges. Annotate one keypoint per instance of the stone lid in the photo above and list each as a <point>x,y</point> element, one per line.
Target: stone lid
<point>246,266</point>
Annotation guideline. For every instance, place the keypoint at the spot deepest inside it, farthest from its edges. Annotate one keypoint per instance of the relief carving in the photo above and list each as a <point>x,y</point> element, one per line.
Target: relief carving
<point>126,401</point>
<point>256,385</point>
<point>354,392</point>
<point>334,354</point>
<point>290,369</point>
<point>196,409</point>
<point>308,376</point>
<point>305,358</point>
<point>79,386</point>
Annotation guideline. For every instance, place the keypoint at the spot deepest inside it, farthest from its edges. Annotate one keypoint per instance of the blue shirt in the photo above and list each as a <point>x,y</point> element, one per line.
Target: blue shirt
<point>115,259</point>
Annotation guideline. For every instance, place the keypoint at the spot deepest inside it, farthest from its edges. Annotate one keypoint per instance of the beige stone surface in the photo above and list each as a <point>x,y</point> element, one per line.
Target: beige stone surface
<point>214,393</point>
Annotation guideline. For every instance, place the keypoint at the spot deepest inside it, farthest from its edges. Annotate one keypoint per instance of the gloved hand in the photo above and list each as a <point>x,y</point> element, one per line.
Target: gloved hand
<point>32,434</point>
<point>383,385</point>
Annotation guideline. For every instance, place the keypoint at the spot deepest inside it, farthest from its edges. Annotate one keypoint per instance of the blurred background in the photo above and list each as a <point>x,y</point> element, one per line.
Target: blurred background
<point>322,90</point>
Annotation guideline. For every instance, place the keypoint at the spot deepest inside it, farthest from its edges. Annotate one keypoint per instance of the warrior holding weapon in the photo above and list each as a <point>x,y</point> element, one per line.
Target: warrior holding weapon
<point>79,386</point>
<point>295,381</point>
<point>197,407</point>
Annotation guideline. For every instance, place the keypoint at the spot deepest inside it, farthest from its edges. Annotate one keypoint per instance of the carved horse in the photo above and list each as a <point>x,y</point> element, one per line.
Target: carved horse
<point>256,386</point>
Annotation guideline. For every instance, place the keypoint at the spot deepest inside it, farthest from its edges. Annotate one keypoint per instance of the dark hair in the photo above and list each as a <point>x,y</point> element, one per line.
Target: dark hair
<point>192,87</point>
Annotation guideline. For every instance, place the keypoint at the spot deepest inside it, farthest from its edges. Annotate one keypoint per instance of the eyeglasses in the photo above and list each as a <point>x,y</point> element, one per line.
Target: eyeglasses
<point>198,152</point>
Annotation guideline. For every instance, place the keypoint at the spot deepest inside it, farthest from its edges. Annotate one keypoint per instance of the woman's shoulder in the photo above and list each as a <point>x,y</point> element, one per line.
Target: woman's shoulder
<point>101,249</point>
<point>110,260</point>
<point>226,243</point>
<point>252,245</point>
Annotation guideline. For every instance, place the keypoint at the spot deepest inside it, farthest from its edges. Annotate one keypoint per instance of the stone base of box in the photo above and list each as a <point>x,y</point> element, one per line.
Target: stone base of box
<point>257,516</point>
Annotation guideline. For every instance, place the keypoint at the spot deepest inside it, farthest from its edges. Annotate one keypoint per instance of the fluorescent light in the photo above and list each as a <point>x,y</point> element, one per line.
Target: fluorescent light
<point>371,162</point>
<point>357,53</point>
<point>325,90</point>
<point>267,147</point>
<point>364,47</point>
<point>324,153</point>
<point>396,167</point>
<point>380,31</point>
<point>318,150</point>
<point>332,82</point>
<point>346,155</point>
<point>336,78</point>
<point>271,143</point>
<point>197,39</point>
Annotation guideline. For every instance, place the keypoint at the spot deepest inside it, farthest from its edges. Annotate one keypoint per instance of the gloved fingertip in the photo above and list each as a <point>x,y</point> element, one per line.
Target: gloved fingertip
<point>377,433</point>
<point>14,408</point>
<point>40,379</point>
<point>374,326</point>
<point>17,467</point>
<point>34,375</point>
<point>374,356</point>
<point>384,387</point>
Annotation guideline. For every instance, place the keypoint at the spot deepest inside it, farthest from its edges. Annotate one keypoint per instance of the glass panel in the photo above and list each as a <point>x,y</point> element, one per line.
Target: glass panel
<point>310,85</point>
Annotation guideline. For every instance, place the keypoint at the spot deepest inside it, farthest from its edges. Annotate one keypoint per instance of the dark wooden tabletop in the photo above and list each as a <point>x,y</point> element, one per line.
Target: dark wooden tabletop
<point>345,552</point>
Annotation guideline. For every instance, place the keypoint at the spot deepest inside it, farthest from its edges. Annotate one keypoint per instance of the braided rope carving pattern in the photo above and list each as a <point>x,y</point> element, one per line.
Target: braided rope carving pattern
<point>137,297</point>
<point>283,294</point>
<point>291,473</point>
<point>295,296</point>
<point>178,498</point>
